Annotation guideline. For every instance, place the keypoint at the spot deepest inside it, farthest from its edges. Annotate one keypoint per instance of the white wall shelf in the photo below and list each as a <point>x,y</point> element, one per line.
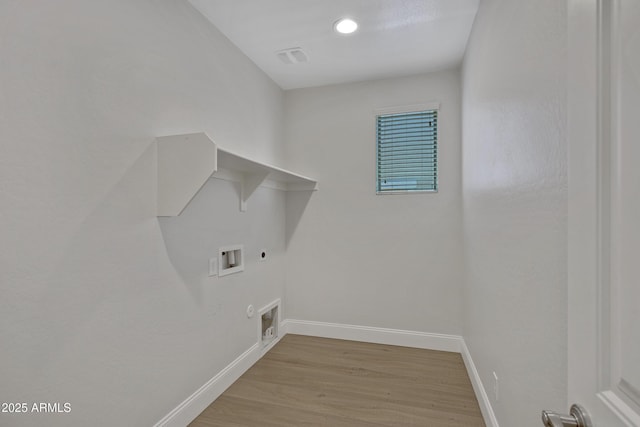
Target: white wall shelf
<point>186,162</point>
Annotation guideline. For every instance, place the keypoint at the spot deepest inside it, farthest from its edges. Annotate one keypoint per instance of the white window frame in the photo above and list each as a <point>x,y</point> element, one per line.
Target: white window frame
<point>399,110</point>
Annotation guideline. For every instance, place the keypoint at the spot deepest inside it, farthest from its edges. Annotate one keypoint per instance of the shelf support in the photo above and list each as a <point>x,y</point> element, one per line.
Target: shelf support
<point>186,162</point>
<point>250,182</point>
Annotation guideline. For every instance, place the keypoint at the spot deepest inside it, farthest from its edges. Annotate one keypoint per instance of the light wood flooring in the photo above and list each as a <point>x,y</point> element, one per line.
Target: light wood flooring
<point>307,381</point>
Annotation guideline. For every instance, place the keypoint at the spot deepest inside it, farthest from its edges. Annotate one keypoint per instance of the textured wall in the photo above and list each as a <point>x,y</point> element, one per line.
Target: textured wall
<point>515,205</point>
<point>390,261</point>
<point>103,305</point>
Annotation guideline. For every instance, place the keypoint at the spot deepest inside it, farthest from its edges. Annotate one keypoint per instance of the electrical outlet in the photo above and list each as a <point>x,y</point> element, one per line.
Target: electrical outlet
<point>213,267</point>
<point>495,386</point>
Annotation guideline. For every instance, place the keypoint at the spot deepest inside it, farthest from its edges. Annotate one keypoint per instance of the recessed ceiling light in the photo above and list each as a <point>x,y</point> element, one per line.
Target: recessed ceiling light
<point>345,26</point>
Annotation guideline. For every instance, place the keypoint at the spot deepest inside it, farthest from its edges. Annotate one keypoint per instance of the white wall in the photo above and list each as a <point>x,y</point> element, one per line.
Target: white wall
<point>515,205</point>
<point>389,261</point>
<point>103,305</point>
<point>108,308</point>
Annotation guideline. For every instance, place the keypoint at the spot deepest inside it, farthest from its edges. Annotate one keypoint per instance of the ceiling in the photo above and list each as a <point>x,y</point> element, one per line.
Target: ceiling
<point>394,38</point>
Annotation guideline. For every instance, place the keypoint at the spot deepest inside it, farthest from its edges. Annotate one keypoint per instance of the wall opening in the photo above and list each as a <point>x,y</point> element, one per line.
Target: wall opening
<point>269,322</point>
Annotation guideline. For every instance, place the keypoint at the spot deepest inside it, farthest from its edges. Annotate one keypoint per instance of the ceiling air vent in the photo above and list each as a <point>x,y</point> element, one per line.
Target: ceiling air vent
<point>293,55</point>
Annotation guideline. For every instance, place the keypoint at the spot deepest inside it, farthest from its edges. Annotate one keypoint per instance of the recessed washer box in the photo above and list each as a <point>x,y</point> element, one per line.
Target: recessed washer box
<point>269,321</point>
<point>230,260</point>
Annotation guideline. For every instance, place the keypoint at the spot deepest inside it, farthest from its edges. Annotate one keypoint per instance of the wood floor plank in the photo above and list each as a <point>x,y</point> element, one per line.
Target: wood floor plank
<point>307,381</point>
<point>236,412</point>
<point>357,406</point>
<point>367,384</point>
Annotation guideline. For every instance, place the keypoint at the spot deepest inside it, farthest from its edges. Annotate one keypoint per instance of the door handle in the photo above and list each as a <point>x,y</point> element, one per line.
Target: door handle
<point>578,417</point>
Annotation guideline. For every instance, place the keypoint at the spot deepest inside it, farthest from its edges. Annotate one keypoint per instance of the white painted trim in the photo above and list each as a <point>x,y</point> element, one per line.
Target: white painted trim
<point>374,335</point>
<point>424,340</point>
<point>407,108</point>
<point>619,408</point>
<point>193,405</point>
<point>481,394</point>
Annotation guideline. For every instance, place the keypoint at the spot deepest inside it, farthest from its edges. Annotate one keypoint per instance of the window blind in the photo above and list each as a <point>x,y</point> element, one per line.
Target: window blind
<point>407,152</point>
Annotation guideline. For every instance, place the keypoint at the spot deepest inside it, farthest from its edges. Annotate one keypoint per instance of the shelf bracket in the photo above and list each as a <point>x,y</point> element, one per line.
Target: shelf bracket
<point>186,162</point>
<point>250,182</point>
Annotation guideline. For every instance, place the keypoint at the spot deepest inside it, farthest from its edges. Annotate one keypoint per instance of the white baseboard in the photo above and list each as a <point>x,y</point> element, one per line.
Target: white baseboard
<point>453,343</point>
<point>481,394</point>
<point>191,407</point>
<point>374,335</point>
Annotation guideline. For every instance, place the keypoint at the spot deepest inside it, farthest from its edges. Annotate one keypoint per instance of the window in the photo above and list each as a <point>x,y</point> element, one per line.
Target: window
<point>407,154</point>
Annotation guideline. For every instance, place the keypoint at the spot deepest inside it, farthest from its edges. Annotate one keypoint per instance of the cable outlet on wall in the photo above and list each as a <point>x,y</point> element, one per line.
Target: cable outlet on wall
<point>495,386</point>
